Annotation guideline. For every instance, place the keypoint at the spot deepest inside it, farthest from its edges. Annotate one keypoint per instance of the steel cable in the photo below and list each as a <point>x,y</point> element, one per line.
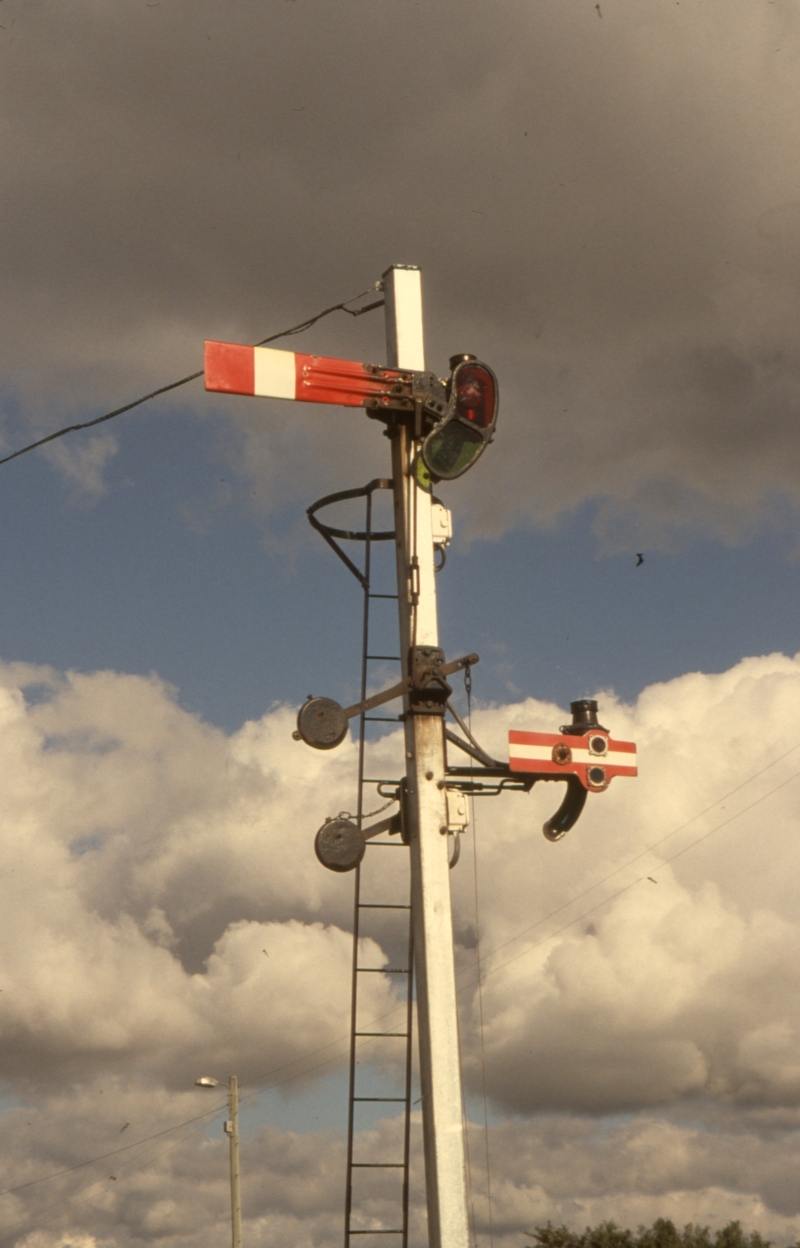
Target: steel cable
<point>344,1038</point>
<point>174,385</point>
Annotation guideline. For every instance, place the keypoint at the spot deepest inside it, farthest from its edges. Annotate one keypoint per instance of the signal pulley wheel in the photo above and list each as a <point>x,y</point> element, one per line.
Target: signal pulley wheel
<point>322,723</point>
<point>339,845</point>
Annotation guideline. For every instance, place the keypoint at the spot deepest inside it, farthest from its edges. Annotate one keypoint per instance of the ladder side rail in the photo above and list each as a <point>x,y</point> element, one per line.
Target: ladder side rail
<point>409,1054</point>
<point>362,728</point>
<point>405,1099</point>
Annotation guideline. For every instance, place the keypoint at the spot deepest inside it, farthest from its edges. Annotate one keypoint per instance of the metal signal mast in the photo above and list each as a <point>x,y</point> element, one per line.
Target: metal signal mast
<point>437,429</point>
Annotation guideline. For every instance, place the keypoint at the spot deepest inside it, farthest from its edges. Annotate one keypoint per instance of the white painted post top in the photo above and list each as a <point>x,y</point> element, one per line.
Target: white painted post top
<point>405,342</point>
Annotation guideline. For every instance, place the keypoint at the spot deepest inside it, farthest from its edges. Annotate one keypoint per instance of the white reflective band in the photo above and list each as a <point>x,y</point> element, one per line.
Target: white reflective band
<point>544,753</point>
<point>274,373</point>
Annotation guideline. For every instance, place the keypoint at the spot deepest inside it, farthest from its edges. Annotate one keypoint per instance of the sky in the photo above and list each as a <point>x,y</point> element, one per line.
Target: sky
<point>604,203</point>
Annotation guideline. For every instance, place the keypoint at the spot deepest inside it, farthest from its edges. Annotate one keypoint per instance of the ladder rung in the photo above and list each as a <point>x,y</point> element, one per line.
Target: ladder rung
<point>382,595</point>
<point>388,658</point>
<point>383,970</point>
<point>379,905</point>
<point>351,1232</point>
<point>372,780</point>
<point>401,1035</point>
<point>382,719</point>
<point>377,1165</point>
<point>383,1099</point>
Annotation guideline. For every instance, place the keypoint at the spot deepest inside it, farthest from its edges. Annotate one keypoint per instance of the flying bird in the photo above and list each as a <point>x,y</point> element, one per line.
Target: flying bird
<point>127,1124</point>
<point>639,560</point>
<point>652,881</point>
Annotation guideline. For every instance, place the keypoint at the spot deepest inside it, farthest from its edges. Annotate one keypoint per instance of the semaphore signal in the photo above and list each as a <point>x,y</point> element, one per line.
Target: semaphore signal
<point>438,429</point>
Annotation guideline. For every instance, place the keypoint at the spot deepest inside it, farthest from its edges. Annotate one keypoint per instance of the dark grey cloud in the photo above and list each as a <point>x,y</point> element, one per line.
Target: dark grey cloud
<point>604,207</point>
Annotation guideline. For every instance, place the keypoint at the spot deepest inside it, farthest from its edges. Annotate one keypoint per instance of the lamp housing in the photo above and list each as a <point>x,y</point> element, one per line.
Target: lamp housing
<point>462,435</point>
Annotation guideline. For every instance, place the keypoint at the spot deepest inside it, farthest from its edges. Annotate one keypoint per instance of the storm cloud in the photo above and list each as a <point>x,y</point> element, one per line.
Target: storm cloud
<point>604,203</point>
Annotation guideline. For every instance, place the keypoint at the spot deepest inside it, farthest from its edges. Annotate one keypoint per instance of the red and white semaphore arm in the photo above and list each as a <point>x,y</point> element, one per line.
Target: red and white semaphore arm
<point>231,368</point>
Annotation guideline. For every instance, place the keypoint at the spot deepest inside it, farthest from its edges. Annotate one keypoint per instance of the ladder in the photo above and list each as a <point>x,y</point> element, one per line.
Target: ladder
<point>368,904</point>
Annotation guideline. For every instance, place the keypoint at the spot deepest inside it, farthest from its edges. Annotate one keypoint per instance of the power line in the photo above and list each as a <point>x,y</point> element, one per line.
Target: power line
<point>648,850</point>
<point>174,385</point>
<point>381,1018</point>
<point>114,1152</point>
<point>627,887</point>
<point>24,1223</point>
<point>195,1123</point>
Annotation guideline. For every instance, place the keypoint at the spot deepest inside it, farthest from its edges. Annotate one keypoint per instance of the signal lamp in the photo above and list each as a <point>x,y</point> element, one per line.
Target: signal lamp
<point>460,438</point>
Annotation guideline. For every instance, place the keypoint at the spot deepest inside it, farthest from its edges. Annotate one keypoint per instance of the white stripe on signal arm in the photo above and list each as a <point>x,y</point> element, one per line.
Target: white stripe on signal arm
<point>544,753</point>
<point>275,373</point>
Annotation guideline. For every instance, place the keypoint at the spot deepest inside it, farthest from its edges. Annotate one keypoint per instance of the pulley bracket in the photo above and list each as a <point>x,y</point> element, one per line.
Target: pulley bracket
<point>322,723</point>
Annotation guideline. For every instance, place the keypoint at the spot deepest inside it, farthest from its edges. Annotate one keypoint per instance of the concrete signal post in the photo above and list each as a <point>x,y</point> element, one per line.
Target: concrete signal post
<point>434,965</point>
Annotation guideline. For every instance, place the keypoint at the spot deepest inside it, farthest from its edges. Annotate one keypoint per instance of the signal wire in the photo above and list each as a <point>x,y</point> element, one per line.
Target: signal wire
<point>196,1123</point>
<point>200,1118</point>
<point>468,688</point>
<point>174,385</point>
<point>626,888</point>
<point>649,849</point>
<point>114,1152</point>
<point>344,1038</point>
<point>464,1119</point>
<point>74,1197</point>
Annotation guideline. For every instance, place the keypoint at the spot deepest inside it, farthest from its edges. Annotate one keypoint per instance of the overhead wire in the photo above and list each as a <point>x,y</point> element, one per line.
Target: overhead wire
<point>344,1038</point>
<point>472,1219</point>
<point>195,1123</point>
<point>468,689</point>
<point>202,1119</point>
<point>73,1198</point>
<point>291,331</point>
<point>182,381</point>
<point>199,1117</point>
<point>632,884</point>
<point>648,850</point>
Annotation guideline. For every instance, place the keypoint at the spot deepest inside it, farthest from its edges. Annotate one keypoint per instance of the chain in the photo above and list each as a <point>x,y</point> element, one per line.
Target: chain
<point>385,806</point>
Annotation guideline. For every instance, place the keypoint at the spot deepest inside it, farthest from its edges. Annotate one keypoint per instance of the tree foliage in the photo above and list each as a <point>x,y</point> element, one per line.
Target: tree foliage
<point>662,1234</point>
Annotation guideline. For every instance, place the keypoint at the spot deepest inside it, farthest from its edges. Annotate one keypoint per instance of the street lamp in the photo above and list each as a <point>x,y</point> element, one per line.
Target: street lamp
<point>232,1131</point>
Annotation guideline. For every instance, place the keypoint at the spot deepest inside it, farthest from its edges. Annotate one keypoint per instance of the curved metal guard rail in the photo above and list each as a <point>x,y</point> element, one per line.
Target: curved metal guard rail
<point>330,533</point>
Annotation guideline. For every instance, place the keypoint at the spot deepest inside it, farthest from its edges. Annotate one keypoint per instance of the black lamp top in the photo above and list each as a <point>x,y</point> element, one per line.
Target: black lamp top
<point>584,718</point>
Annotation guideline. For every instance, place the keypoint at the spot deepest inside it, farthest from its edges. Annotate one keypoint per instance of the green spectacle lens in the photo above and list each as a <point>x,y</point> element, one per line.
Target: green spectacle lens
<point>451,450</point>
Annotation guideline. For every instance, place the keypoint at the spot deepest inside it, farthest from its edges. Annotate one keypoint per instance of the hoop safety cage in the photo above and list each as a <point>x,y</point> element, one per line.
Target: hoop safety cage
<point>457,442</point>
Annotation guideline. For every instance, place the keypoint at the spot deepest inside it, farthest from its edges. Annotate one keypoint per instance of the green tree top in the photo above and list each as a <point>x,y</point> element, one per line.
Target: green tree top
<point>662,1234</point>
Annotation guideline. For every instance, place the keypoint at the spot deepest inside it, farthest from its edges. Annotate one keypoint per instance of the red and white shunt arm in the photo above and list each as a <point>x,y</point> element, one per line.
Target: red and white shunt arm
<point>556,754</point>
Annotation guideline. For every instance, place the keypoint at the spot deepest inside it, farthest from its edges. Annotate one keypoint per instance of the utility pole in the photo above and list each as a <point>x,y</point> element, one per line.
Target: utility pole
<point>426,807</point>
<point>232,1131</point>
